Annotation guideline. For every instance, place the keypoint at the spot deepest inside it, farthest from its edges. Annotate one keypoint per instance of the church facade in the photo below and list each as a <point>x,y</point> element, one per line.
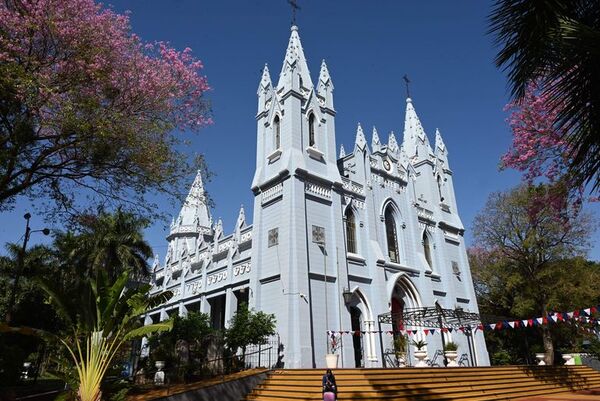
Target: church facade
<point>338,238</point>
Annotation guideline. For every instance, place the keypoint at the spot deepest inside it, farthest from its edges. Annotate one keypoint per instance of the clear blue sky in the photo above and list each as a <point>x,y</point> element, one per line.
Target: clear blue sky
<point>368,46</point>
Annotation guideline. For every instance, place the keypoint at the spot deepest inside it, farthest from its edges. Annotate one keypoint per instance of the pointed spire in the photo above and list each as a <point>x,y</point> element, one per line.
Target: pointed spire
<point>294,61</point>
<point>375,142</point>
<point>194,211</point>
<point>360,142</point>
<point>265,81</point>
<point>342,151</point>
<point>325,85</point>
<point>415,140</point>
<point>241,220</point>
<point>392,143</point>
<point>440,148</point>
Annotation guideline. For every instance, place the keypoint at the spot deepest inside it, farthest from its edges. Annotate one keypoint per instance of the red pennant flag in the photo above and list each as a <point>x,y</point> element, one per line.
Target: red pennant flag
<point>545,320</point>
<point>426,331</point>
<point>462,329</point>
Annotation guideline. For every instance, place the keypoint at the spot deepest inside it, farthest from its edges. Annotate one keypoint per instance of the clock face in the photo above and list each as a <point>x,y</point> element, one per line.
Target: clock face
<point>387,165</point>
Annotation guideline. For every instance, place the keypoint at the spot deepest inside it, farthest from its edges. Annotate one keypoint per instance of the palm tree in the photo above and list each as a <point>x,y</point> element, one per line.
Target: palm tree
<point>113,243</point>
<point>557,44</point>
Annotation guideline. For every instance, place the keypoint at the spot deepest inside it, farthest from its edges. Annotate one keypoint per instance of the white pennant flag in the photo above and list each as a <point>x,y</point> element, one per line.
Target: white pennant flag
<point>525,322</point>
<point>588,311</point>
<point>511,324</point>
<point>554,317</point>
<point>570,314</point>
<point>492,326</point>
<point>540,320</point>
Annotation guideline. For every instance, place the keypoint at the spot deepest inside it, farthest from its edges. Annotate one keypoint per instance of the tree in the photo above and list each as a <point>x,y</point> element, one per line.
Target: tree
<point>185,345</point>
<point>86,107</point>
<point>248,327</point>
<point>524,241</point>
<point>555,44</point>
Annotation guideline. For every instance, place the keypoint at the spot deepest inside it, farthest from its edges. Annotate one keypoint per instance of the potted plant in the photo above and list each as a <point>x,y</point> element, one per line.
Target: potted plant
<point>451,354</point>
<point>331,359</point>
<point>420,353</point>
<point>400,344</point>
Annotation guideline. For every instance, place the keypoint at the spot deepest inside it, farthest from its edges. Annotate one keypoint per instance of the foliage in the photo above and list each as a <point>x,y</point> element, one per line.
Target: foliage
<point>450,346</point>
<point>185,346</point>
<point>30,309</point>
<point>555,44</point>
<point>527,261</point>
<point>400,343</point>
<point>248,327</point>
<point>419,344</point>
<point>87,107</point>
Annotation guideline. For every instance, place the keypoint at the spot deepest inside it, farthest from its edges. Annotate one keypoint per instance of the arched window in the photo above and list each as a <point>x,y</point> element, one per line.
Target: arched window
<point>439,185</point>
<point>392,238</point>
<point>427,249</point>
<point>350,231</point>
<point>277,132</point>
<point>311,130</point>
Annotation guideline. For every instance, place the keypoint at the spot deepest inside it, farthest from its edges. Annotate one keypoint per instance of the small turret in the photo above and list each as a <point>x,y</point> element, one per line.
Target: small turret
<point>392,143</point>
<point>265,87</point>
<point>375,142</point>
<point>342,151</point>
<point>325,86</point>
<point>360,142</point>
<point>440,149</point>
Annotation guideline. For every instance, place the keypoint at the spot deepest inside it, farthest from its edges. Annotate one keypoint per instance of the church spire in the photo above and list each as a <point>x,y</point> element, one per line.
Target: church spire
<point>194,211</point>
<point>440,148</point>
<point>375,142</point>
<point>392,143</point>
<point>361,142</point>
<point>415,141</point>
<point>342,151</point>
<point>325,86</point>
<point>265,81</point>
<point>294,72</point>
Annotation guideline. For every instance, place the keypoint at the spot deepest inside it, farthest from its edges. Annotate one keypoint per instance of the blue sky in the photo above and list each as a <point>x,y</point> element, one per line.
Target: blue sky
<point>368,46</point>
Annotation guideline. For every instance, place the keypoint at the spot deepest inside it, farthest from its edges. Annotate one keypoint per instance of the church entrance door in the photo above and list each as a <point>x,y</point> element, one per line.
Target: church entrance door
<point>355,316</point>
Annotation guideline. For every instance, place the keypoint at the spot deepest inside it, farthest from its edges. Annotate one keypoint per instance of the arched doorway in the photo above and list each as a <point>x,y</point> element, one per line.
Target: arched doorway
<point>355,318</point>
<point>361,318</point>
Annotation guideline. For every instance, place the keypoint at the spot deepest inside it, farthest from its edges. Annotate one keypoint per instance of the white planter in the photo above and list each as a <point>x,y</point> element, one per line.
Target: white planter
<point>540,357</point>
<point>569,359</point>
<point>451,356</point>
<point>420,356</point>
<point>331,360</point>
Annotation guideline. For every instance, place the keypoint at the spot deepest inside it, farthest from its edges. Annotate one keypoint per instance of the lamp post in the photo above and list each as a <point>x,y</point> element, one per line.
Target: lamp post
<point>19,267</point>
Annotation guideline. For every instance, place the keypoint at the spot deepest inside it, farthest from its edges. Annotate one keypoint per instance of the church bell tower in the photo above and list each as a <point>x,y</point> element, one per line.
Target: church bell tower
<point>297,225</point>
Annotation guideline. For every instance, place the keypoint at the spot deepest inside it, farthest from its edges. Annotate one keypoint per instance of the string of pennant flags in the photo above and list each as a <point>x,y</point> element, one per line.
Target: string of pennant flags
<point>586,315</point>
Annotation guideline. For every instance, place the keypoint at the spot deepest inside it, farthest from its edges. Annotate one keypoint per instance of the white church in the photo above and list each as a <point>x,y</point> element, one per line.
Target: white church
<point>365,241</point>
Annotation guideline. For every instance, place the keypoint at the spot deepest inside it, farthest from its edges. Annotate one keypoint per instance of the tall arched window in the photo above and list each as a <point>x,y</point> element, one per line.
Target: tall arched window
<point>439,185</point>
<point>427,249</point>
<point>390,233</point>
<point>311,130</point>
<point>277,132</point>
<point>350,231</point>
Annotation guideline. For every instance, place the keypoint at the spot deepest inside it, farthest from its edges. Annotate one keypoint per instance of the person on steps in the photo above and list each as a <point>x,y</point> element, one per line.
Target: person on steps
<point>329,386</point>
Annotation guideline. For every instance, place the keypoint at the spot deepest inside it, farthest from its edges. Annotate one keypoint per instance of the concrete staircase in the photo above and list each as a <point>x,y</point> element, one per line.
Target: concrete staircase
<point>420,384</point>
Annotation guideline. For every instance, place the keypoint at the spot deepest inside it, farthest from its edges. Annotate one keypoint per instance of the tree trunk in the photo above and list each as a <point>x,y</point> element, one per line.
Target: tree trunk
<point>548,345</point>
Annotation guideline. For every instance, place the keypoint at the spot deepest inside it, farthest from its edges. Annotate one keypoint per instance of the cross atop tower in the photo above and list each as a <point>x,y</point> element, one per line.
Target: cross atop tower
<point>407,82</point>
<point>295,7</point>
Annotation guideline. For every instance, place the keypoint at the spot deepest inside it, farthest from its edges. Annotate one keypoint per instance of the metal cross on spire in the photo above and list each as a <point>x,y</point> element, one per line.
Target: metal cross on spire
<point>295,8</point>
<point>407,81</point>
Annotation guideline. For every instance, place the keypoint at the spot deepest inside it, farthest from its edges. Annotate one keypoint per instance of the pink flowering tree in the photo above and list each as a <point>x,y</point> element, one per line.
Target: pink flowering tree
<point>88,111</point>
<point>540,150</point>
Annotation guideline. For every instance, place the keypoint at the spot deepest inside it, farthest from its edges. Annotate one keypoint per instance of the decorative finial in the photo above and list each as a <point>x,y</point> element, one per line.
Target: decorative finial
<point>295,7</point>
<point>407,81</point>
